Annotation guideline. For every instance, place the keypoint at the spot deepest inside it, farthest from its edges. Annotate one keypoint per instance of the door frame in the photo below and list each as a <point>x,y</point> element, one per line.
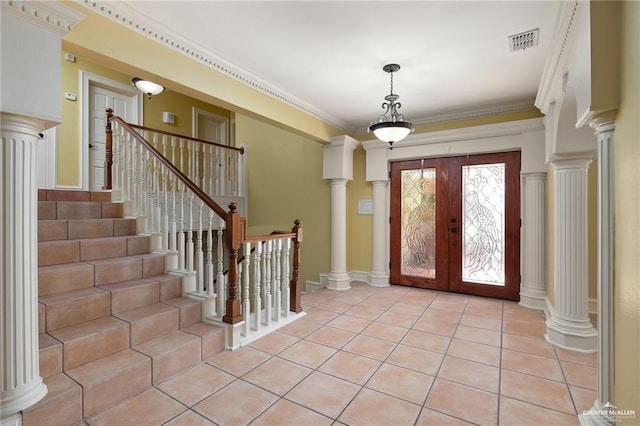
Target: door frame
<point>88,79</point>
<point>527,136</point>
<point>197,112</point>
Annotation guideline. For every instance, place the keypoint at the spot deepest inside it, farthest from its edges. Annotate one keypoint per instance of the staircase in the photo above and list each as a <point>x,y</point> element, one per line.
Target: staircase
<point>112,322</point>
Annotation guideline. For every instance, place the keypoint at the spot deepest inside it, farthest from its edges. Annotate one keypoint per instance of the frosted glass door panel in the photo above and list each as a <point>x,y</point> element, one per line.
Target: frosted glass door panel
<point>418,256</point>
<point>483,224</point>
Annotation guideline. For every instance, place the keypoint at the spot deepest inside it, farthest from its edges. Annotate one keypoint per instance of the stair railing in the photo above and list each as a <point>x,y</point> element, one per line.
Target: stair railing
<point>186,222</point>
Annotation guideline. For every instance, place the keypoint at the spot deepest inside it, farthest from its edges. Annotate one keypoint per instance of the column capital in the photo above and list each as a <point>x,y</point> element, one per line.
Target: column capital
<point>571,163</point>
<point>338,158</point>
<point>603,121</point>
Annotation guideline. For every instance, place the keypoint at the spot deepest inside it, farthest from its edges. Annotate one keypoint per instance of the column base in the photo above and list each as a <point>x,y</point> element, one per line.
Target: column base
<point>22,399</point>
<point>533,299</point>
<point>577,336</point>
<point>339,281</point>
<point>378,279</point>
<point>598,415</point>
<point>15,420</point>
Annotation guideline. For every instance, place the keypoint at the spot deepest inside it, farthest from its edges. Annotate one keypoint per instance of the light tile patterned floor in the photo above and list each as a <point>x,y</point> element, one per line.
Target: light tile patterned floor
<point>385,356</point>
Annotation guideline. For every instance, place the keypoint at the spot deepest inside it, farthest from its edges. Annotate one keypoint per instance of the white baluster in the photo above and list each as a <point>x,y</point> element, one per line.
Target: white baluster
<point>276,281</point>
<point>196,159</point>
<point>173,225</point>
<point>285,277</point>
<point>266,289</point>
<point>212,172</point>
<point>199,252</point>
<point>190,247</point>
<point>209,257</point>
<point>220,279</point>
<point>246,302</point>
<point>257,300</point>
<point>165,210</point>
<point>181,232</point>
<point>189,159</point>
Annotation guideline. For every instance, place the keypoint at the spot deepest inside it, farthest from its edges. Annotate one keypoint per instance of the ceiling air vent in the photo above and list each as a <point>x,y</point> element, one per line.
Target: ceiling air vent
<point>523,40</point>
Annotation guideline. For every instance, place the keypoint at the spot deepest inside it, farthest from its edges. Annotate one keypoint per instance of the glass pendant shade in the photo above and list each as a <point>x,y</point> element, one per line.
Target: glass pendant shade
<point>148,87</point>
<point>390,131</point>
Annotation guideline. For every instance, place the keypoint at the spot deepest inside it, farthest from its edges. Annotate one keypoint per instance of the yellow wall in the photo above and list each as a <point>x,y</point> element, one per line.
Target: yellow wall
<point>627,222</point>
<point>285,183</point>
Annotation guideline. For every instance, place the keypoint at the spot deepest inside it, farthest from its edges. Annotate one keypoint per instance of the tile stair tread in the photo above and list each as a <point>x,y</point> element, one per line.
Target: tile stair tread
<point>129,284</point>
<point>47,341</point>
<point>163,344</point>
<point>71,295</point>
<point>79,331</point>
<point>107,366</point>
<point>144,312</point>
<point>56,386</point>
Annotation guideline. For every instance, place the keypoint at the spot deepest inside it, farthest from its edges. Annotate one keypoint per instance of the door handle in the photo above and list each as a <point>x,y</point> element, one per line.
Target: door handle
<point>92,146</point>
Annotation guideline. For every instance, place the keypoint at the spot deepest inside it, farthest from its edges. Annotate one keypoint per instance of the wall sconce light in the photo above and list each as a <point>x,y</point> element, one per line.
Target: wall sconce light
<point>148,87</point>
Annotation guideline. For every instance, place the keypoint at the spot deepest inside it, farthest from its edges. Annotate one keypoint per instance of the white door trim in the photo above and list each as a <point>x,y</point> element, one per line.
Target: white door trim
<point>194,123</point>
<point>87,79</point>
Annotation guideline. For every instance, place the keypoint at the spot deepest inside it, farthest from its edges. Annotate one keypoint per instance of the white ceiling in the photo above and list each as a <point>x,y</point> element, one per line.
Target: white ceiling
<point>327,56</point>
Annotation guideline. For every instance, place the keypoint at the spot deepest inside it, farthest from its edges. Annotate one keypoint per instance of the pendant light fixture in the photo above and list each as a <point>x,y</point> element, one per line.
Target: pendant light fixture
<point>391,126</point>
<point>148,87</point>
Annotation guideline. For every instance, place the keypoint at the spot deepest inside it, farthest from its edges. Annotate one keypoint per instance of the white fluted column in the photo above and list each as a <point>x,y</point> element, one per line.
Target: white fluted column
<point>22,385</point>
<point>569,326</point>
<point>599,415</point>
<point>533,290</point>
<point>338,278</point>
<point>379,274</point>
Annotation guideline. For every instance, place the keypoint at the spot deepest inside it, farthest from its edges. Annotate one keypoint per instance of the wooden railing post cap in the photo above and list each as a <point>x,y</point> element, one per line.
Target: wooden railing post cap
<point>233,207</point>
<point>297,229</point>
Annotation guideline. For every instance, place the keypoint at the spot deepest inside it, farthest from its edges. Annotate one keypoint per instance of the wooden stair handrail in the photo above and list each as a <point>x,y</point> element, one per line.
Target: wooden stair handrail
<point>176,135</point>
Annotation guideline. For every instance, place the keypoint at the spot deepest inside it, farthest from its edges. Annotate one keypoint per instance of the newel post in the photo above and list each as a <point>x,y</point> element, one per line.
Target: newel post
<point>108,152</point>
<point>294,285</point>
<point>233,315</point>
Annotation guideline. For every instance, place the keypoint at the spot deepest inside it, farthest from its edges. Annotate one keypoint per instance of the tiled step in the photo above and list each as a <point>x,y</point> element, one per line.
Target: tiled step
<point>212,338</point>
<point>50,356</point>
<point>60,195</point>
<point>61,406</point>
<point>76,306</point>
<point>98,228</point>
<point>150,322</point>
<point>112,379</point>
<point>108,271</point>
<point>59,278</point>
<point>190,310</point>
<point>48,210</point>
<point>133,294</point>
<point>170,286</point>
<point>171,354</point>
<point>91,340</point>
<point>58,252</point>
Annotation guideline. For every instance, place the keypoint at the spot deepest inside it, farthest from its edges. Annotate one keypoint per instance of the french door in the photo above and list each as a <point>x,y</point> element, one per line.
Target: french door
<point>455,224</point>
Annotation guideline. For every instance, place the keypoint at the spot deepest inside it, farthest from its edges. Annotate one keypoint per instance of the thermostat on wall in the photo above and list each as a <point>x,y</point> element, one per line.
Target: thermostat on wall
<point>168,117</point>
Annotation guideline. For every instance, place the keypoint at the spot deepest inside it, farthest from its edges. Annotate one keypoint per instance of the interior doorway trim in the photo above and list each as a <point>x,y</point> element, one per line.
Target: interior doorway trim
<point>224,121</point>
<point>527,136</point>
<point>86,80</point>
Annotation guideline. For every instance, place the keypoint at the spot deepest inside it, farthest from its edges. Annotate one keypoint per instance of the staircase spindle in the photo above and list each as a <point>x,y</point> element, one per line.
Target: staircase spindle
<point>190,246</point>
<point>181,232</point>
<point>276,281</point>
<point>246,302</point>
<point>209,255</point>
<point>199,252</point>
<point>164,228</point>
<point>173,220</point>
<point>266,289</point>
<point>220,278</point>
<point>257,300</point>
<point>285,276</point>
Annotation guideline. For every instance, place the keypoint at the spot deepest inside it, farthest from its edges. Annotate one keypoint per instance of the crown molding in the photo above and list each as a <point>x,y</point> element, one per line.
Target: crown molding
<point>50,15</point>
<point>563,38</point>
<point>123,14</point>
<point>475,112</point>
